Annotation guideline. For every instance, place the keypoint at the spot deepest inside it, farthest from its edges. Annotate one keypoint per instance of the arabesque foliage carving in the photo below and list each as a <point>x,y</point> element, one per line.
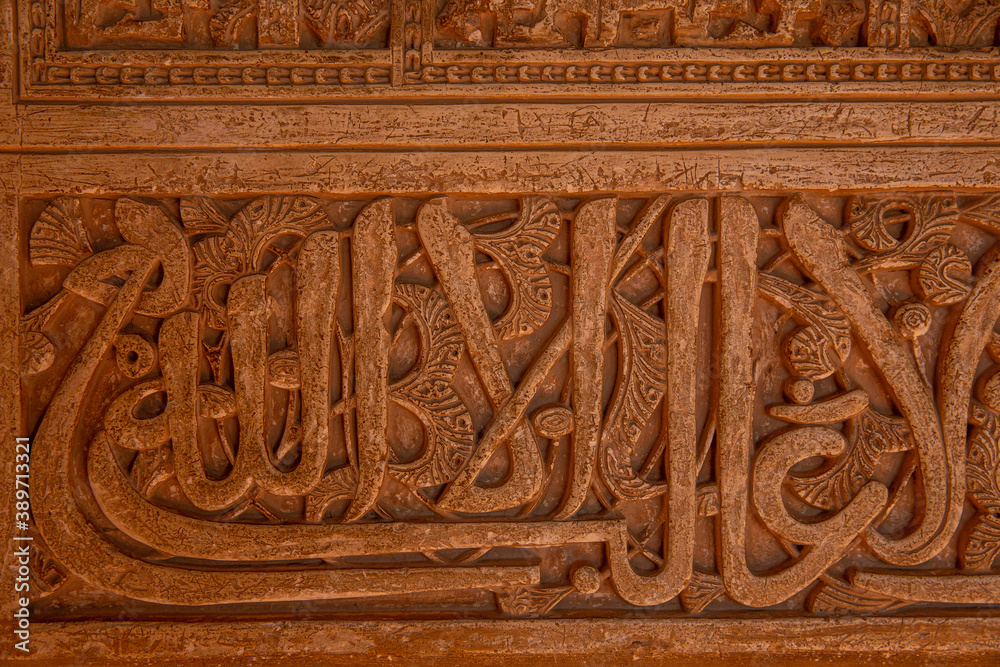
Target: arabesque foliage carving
<point>286,398</point>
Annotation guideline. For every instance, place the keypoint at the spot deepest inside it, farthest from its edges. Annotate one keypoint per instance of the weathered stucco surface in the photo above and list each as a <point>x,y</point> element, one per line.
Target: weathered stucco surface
<point>577,331</point>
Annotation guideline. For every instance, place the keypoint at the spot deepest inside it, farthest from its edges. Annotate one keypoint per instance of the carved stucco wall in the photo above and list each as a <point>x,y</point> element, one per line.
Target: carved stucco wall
<point>517,330</point>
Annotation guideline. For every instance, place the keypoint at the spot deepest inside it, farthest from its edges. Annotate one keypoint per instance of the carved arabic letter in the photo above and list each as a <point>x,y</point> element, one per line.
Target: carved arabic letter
<point>971,334</point>
<point>450,248</point>
<point>739,230</point>
<point>150,234</point>
<point>822,252</point>
<point>593,250</point>
<point>247,313</point>
<point>689,250</point>
<point>828,411</point>
<point>179,344</point>
<point>172,533</point>
<point>125,430</point>
<point>777,457</point>
<point>373,262</point>
<point>738,235</point>
<point>317,287</point>
<point>148,227</point>
<point>74,541</point>
<point>645,345</point>
<point>510,414</point>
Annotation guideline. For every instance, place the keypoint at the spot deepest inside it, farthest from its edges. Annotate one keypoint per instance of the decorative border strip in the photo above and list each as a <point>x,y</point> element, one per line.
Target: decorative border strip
<point>711,72</point>
<point>212,74</point>
<point>411,62</point>
<point>74,75</point>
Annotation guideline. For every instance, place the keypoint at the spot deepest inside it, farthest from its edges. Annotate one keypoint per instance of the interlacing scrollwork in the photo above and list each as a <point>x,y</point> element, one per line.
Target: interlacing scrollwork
<point>678,399</point>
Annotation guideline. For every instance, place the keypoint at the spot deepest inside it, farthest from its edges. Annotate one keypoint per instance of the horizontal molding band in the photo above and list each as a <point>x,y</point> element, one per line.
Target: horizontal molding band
<point>556,172</point>
<point>502,640</point>
<point>528,125</point>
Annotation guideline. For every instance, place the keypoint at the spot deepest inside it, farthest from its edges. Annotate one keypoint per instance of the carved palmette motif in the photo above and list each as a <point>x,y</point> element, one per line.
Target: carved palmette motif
<point>967,24</point>
<point>351,22</point>
<point>264,24</point>
<point>291,386</point>
<point>603,23</point>
<point>643,373</point>
<point>428,392</point>
<point>982,537</point>
<point>240,24</point>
